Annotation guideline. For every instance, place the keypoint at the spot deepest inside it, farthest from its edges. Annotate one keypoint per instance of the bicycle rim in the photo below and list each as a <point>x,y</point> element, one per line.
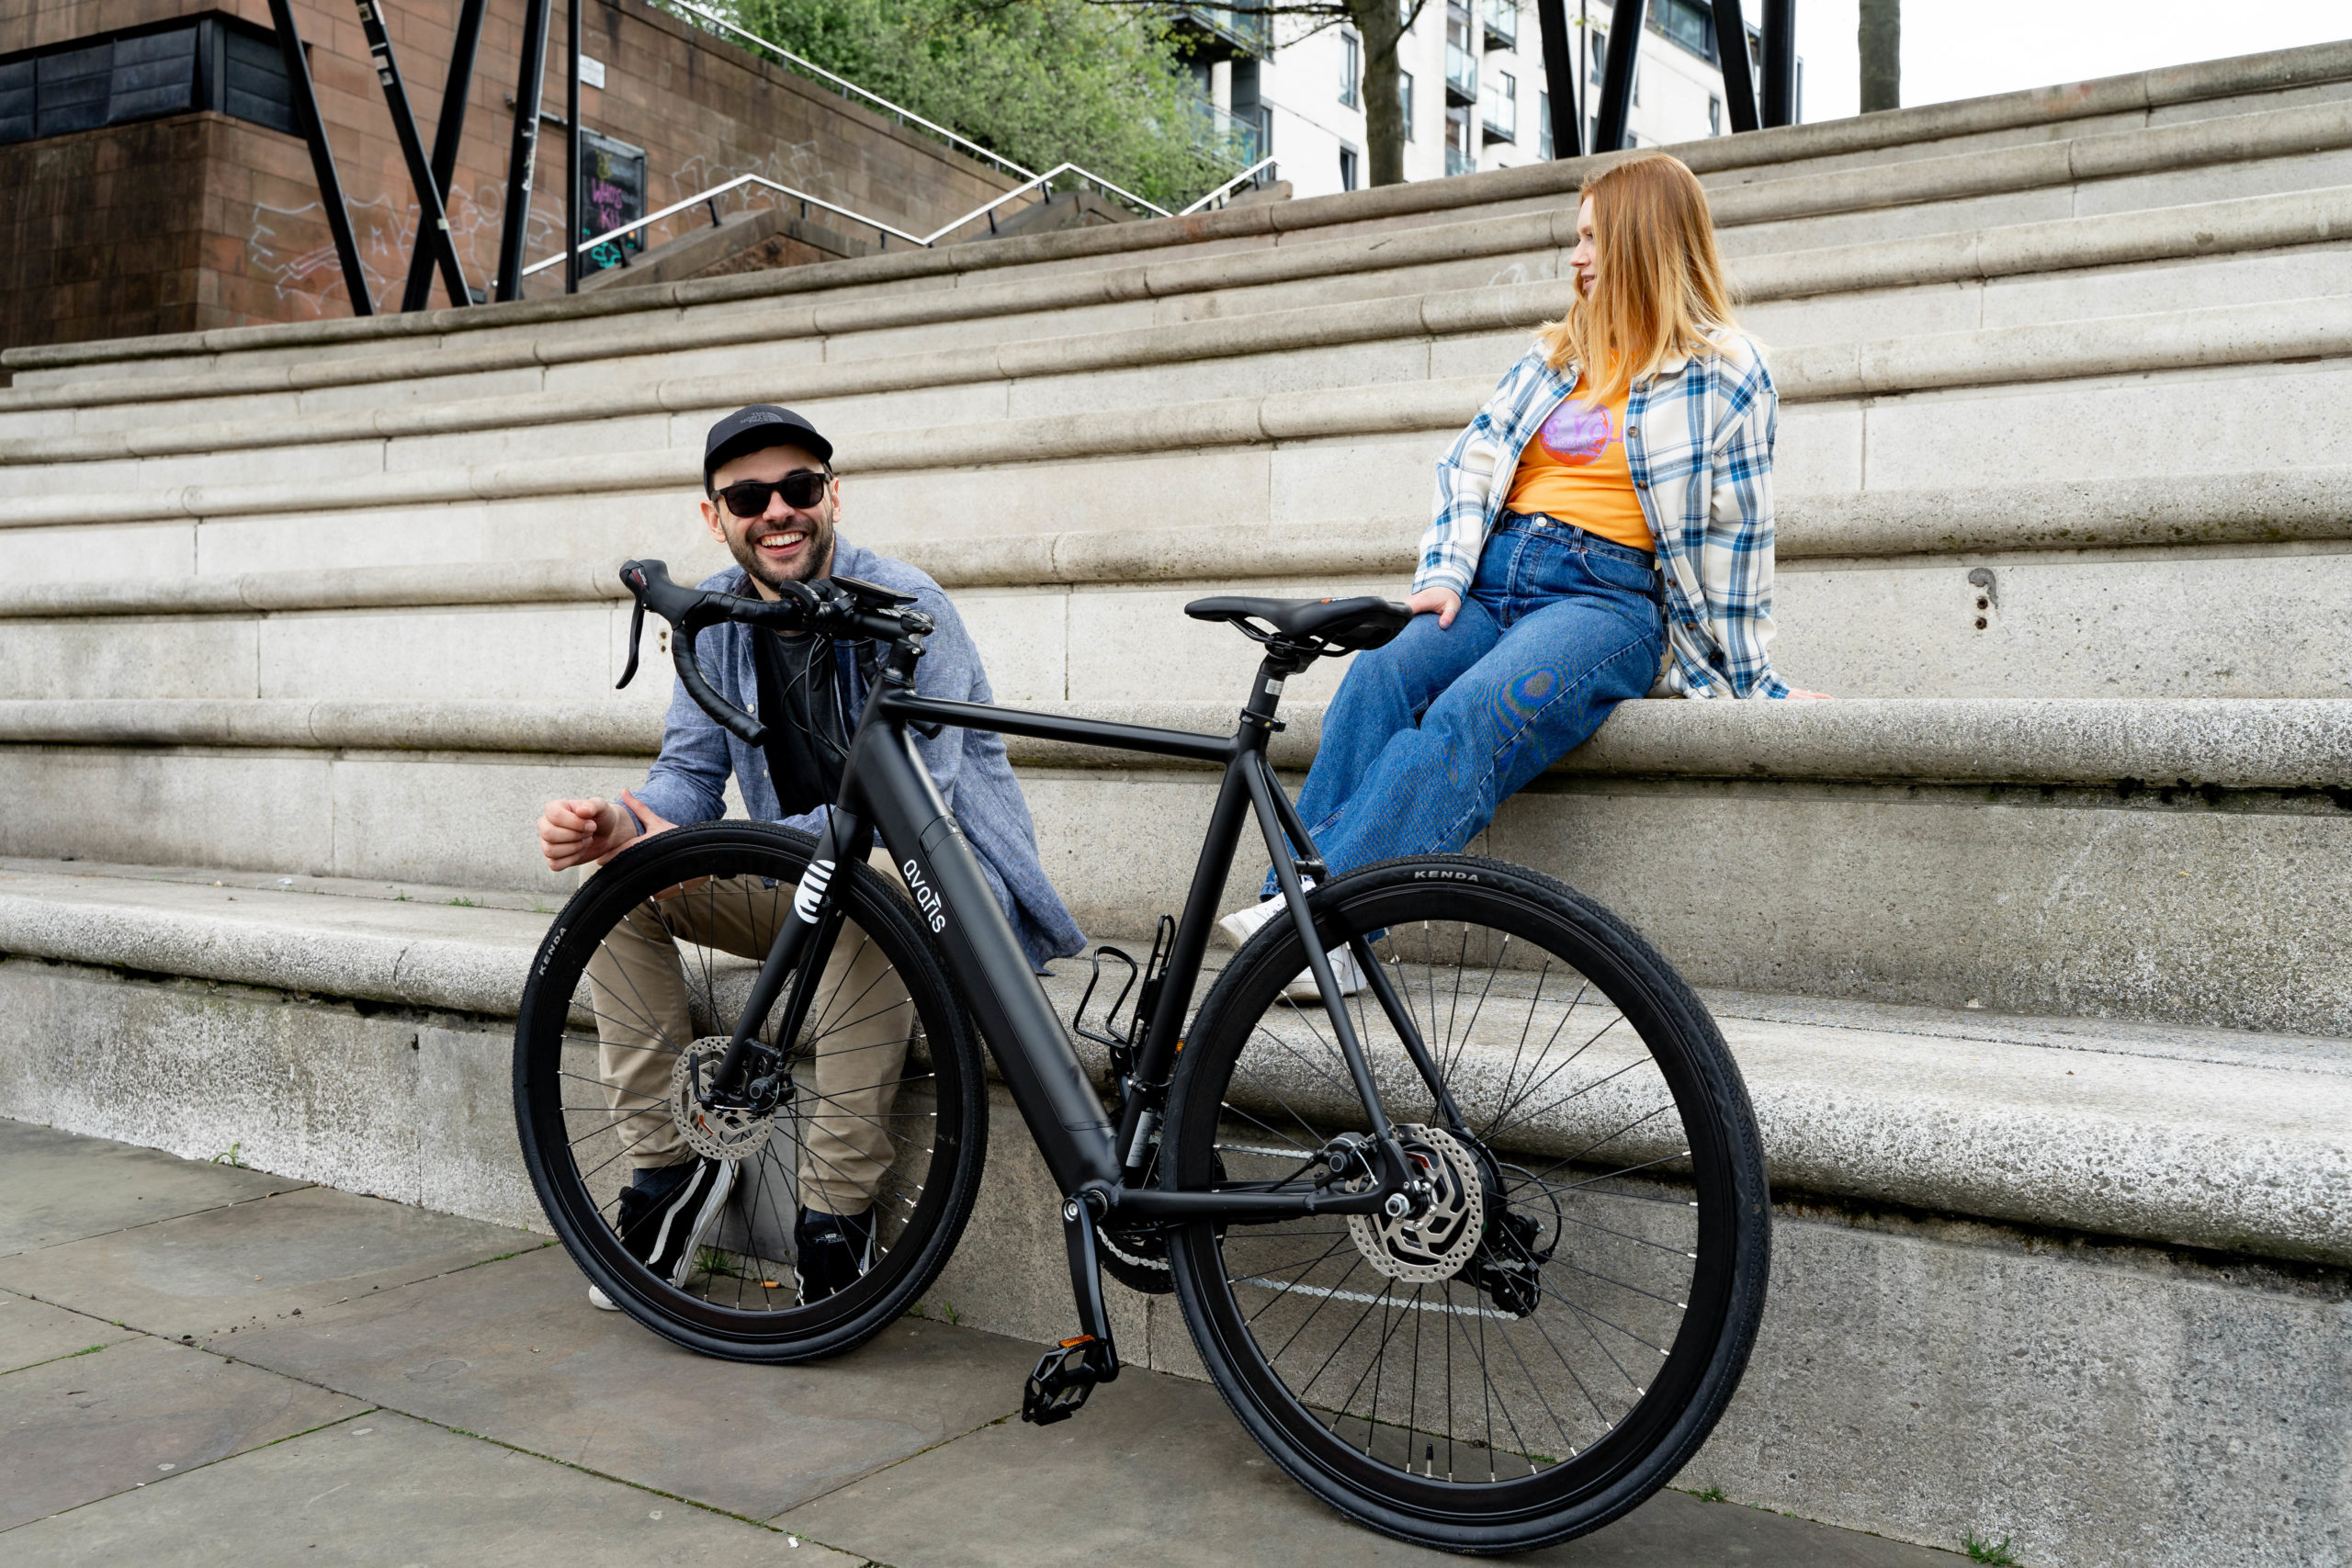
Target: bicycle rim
<point>883,1069</point>
<point>1552,1342</point>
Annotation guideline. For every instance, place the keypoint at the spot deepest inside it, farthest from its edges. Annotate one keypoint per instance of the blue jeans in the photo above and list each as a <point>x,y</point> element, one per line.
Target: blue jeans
<point>1429,735</point>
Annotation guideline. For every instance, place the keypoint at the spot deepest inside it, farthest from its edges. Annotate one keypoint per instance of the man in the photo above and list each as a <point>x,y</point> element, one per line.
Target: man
<point>771,497</point>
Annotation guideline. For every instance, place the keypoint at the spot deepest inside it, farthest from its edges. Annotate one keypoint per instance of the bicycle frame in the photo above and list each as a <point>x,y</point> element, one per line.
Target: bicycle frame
<point>886,788</point>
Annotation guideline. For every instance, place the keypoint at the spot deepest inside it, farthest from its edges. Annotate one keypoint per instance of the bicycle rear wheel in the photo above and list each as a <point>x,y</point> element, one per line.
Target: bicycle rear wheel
<point>881,1099</point>
<point>1550,1344</point>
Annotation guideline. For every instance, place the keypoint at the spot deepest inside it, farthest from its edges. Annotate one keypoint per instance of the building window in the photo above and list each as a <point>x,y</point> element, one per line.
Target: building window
<point>1690,23</point>
<point>1714,115</point>
<point>1637,85</point>
<point>1346,168</point>
<point>1600,55</point>
<point>1351,73</point>
<point>1405,99</point>
<point>1502,109</point>
<point>1544,126</point>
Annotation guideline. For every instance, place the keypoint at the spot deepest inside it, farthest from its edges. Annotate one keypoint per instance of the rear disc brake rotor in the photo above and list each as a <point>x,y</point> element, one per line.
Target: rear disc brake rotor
<point>1435,1245</point>
<point>722,1132</point>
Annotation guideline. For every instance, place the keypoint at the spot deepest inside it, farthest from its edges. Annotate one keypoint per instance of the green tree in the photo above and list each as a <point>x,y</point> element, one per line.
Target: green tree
<point>1040,82</point>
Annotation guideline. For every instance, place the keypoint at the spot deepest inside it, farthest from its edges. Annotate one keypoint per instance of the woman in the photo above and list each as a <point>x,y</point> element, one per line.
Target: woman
<point>1608,511</point>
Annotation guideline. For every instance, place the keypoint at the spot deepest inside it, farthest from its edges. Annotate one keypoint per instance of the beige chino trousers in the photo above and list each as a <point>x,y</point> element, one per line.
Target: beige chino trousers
<point>859,1022</point>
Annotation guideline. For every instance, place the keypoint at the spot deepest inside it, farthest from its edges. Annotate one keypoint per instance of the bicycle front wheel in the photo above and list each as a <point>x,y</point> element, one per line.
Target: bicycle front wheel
<point>876,1111</point>
<point>1554,1338</point>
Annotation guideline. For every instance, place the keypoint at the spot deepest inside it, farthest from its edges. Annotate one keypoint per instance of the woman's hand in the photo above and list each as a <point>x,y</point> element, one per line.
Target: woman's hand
<point>574,832</point>
<point>1443,601</point>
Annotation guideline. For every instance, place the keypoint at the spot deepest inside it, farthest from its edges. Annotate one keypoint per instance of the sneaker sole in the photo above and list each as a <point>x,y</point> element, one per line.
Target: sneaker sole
<point>722,1183</point>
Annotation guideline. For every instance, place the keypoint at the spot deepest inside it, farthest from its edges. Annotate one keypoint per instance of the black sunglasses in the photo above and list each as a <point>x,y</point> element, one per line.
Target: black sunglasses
<point>801,489</point>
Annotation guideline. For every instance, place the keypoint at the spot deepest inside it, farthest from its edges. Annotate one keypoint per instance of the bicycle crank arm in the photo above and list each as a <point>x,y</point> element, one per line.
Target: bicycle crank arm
<point>1245,1208</point>
<point>1066,1374</point>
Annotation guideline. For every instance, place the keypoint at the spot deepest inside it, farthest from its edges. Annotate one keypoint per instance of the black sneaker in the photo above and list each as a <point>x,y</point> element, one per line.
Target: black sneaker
<point>832,1251</point>
<point>664,1213</point>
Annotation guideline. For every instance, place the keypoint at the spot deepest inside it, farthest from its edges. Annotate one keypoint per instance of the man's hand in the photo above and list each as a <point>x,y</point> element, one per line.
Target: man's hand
<point>575,832</point>
<point>1444,602</point>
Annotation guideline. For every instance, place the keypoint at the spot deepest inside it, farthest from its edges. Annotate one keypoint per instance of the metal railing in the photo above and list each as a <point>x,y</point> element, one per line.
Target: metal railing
<point>1038,182</point>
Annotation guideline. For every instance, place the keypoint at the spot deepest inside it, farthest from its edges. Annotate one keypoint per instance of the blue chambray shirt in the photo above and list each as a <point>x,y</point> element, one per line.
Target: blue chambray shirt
<point>1699,440</point>
<point>688,780</point>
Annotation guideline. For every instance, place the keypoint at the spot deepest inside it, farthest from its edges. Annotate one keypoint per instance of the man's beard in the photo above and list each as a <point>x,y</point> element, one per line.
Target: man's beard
<point>816,556</point>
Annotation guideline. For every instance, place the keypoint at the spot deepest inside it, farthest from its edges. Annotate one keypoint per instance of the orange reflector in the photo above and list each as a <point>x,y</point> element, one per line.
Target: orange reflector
<point>1081,1340</point>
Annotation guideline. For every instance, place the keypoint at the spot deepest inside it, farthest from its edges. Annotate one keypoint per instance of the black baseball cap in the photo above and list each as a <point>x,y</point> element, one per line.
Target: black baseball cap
<point>756,428</point>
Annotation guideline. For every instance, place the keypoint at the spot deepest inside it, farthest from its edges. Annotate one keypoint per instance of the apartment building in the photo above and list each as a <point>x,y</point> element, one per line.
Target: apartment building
<point>1476,94</point>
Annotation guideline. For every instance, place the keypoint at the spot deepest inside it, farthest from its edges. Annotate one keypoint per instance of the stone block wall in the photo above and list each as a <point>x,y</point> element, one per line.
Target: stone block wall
<point>200,221</point>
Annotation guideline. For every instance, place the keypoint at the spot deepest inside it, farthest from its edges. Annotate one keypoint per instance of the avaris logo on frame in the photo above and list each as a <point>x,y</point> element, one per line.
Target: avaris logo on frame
<point>925,900</point>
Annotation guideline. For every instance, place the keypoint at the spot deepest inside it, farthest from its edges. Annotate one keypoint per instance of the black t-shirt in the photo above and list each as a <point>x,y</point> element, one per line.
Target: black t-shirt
<point>801,702</point>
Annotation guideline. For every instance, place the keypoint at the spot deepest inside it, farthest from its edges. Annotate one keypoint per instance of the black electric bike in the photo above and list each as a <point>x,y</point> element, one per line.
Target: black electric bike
<point>1451,1176</point>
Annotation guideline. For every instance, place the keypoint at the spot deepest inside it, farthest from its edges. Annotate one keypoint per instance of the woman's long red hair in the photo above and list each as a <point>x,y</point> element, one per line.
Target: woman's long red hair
<point>1659,294</point>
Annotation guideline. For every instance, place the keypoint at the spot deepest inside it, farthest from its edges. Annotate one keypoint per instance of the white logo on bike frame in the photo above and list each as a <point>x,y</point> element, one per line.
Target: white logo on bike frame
<point>813,883</point>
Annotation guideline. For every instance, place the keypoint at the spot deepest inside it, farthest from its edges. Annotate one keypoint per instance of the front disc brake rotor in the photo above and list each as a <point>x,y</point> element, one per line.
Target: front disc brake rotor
<point>1433,1245</point>
<point>723,1131</point>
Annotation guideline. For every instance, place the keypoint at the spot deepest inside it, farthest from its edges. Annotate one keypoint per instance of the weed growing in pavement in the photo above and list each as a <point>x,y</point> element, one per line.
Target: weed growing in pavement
<point>1981,1549</point>
<point>230,1155</point>
<point>464,904</point>
<point>1711,1495</point>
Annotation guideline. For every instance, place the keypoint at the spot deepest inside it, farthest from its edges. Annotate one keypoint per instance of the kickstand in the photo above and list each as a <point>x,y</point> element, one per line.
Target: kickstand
<point>1066,1374</point>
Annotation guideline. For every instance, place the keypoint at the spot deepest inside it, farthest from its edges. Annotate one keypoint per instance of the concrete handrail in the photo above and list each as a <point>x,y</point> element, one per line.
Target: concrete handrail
<point>2136,93</point>
<point>2198,229</point>
<point>2298,744</point>
<point>2227,334</point>
<point>2260,506</point>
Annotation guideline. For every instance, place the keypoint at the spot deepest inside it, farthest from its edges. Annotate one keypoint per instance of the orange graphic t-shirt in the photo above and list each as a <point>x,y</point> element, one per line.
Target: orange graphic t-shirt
<point>1575,470</point>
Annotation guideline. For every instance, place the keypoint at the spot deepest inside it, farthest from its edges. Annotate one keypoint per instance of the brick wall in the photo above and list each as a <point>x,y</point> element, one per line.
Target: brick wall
<point>200,221</point>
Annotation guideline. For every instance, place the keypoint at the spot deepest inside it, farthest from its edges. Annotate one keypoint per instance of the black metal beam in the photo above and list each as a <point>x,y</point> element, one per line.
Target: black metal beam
<point>1560,79</point>
<point>463,49</point>
<point>1617,74</point>
<point>1780,62</point>
<point>432,217</point>
<point>314,131</point>
<point>529,89</point>
<point>1739,84</point>
<point>571,235</point>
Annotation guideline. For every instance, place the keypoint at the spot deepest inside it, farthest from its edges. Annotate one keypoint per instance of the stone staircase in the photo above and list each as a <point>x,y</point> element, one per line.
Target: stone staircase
<point>2033,945</point>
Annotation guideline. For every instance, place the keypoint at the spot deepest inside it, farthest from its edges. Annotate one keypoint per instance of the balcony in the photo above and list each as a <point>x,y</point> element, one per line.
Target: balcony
<point>1501,24</point>
<point>1237,140</point>
<point>1501,123</point>
<point>1457,161</point>
<point>1215,32</point>
<point>1461,75</point>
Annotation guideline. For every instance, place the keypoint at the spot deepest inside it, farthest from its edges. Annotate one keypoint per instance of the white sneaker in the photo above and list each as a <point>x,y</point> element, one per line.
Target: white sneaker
<point>601,1301</point>
<point>1343,970</point>
<point>1244,923</point>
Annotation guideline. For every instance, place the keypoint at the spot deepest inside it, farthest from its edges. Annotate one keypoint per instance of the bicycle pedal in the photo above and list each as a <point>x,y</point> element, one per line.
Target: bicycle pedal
<point>1065,1376</point>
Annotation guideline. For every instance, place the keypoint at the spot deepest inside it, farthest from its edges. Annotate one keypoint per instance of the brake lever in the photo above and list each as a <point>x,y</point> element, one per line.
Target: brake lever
<point>635,630</point>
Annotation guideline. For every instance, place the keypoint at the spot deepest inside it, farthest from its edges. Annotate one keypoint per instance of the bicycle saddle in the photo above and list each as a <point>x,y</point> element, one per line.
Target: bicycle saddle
<point>1351,624</point>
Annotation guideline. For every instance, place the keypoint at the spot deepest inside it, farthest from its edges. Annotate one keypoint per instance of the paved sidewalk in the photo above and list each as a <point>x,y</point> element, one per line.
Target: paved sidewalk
<point>201,1364</point>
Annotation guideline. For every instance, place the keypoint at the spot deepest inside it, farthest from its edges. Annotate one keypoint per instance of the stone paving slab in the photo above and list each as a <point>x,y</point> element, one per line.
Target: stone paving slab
<point>33,1332</point>
<point>89,1427</point>
<point>382,1491</point>
<point>61,1188</point>
<point>1155,1469</point>
<point>514,1351</point>
<point>208,1274</point>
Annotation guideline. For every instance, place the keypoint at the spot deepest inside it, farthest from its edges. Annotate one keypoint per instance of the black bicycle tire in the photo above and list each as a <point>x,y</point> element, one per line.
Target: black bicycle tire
<point>679,855</point>
<point>1646,977</point>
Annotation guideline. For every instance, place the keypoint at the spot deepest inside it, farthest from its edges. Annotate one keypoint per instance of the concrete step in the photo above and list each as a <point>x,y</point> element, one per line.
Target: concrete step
<point>2273,250</point>
<point>2088,597</point>
<point>2179,861</point>
<point>2095,1128</point>
<point>2269,139</point>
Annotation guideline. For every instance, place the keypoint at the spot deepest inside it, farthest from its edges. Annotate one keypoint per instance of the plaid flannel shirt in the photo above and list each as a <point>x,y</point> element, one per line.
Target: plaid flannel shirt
<point>1698,443</point>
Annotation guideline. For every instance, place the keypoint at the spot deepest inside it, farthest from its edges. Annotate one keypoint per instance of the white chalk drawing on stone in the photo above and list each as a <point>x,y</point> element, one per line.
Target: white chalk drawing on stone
<point>1515,273</point>
<point>384,235</point>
